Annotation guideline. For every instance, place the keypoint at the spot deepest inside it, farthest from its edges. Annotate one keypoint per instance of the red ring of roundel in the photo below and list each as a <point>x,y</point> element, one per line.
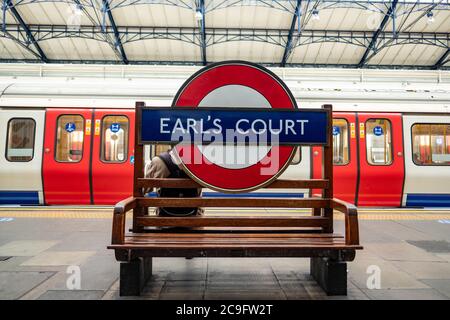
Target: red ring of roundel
<point>191,94</point>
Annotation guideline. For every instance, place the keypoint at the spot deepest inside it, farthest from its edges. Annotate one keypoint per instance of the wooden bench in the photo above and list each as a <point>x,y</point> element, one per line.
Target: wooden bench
<point>266,235</point>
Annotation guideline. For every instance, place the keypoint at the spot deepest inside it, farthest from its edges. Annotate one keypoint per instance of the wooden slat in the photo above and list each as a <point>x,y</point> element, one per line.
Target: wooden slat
<point>188,183</point>
<point>244,246</point>
<point>299,184</point>
<point>167,183</point>
<point>233,221</point>
<point>218,241</point>
<point>235,202</point>
<point>233,235</point>
<point>232,230</point>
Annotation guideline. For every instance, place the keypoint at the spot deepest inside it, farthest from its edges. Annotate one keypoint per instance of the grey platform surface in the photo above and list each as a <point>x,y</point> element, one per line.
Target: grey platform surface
<point>38,257</point>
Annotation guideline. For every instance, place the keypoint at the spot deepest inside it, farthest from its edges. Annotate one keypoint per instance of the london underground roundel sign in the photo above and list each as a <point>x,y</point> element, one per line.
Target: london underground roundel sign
<point>235,84</point>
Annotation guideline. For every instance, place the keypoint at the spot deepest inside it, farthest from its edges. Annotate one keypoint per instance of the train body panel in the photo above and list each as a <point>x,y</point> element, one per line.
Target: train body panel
<point>368,158</point>
<point>381,164</point>
<point>87,158</point>
<point>113,144</point>
<point>427,181</point>
<point>21,133</point>
<point>345,157</point>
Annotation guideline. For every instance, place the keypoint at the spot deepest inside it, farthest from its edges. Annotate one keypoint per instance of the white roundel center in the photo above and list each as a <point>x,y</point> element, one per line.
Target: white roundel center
<point>234,157</point>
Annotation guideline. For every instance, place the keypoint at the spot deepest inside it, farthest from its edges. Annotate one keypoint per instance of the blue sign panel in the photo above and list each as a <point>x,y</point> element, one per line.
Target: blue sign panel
<point>70,127</point>
<point>378,131</point>
<point>233,126</point>
<point>336,130</point>
<point>114,127</point>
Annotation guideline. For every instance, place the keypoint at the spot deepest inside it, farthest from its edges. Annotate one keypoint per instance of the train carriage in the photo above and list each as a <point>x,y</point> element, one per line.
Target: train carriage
<point>65,150</point>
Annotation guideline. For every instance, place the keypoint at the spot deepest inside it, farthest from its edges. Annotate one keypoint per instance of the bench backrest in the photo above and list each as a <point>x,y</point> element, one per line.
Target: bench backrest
<point>322,207</point>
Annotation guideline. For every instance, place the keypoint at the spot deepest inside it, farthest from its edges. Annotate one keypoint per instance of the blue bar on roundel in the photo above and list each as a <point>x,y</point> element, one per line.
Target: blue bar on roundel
<point>234,126</point>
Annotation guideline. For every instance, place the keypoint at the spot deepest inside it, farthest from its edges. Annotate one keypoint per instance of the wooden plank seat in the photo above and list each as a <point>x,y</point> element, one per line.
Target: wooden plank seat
<point>269,244</point>
<point>220,244</point>
<point>263,235</point>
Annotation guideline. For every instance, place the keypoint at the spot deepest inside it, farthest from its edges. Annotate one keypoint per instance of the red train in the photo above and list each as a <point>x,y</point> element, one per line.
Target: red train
<point>81,156</point>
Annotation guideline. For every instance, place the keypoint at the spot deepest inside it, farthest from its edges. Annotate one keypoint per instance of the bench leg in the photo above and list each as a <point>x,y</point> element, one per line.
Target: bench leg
<point>134,275</point>
<point>331,275</point>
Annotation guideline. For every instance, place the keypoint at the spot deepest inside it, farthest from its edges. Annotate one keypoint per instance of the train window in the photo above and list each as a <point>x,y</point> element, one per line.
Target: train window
<point>431,144</point>
<point>69,138</point>
<point>297,156</point>
<point>20,146</point>
<point>340,142</point>
<point>114,139</point>
<point>379,142</point>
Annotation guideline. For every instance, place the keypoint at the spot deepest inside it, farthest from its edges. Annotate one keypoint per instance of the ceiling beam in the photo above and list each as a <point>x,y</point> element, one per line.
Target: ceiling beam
<point>219,35</point>
<point>197,63</point>
<point>27,31</point>
<point>288,48</point>
<point>118,42</point>
<point>373,42</point>
<point>442,60</point>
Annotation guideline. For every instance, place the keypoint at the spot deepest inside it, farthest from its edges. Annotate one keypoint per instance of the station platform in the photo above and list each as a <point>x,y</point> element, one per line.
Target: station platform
<point>42,248</point>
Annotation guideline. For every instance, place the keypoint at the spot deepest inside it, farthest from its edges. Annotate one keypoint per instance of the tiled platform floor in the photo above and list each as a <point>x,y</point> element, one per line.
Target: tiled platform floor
<point>38,254</point>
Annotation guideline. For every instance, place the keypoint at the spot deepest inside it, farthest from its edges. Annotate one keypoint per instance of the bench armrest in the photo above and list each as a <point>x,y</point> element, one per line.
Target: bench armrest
<point>119,216</point>
<point>351,220</point>
<point>125,205</point>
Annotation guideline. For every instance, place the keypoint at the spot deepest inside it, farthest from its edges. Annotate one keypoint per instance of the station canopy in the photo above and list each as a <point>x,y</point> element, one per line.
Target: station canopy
<point>287,33</point>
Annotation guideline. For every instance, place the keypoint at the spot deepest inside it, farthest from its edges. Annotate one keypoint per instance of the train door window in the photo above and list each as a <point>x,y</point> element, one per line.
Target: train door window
<point>379,142</point>
<point>69,138</point>
<point>114,139</point>
<point>431,144</point>
<point>340,142</point>
<point>20,145</point>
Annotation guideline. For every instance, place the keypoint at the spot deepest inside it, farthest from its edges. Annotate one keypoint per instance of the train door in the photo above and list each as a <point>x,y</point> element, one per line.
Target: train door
<point>345,157</point>
<point>21,138</point>
<point>112,155</point>
<point>66,165</point>
<point>381,159</point>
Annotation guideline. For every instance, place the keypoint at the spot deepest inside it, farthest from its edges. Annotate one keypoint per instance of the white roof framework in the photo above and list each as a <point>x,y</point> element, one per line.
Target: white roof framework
<point>292,33</point>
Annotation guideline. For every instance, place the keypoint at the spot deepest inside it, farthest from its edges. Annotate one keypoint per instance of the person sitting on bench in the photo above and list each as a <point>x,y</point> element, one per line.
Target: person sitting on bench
<point>167,165</point>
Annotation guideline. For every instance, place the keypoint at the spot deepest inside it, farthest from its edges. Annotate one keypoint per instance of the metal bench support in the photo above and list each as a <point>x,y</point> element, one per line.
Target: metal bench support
<point>134,275</point>
<point>330,274</point>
